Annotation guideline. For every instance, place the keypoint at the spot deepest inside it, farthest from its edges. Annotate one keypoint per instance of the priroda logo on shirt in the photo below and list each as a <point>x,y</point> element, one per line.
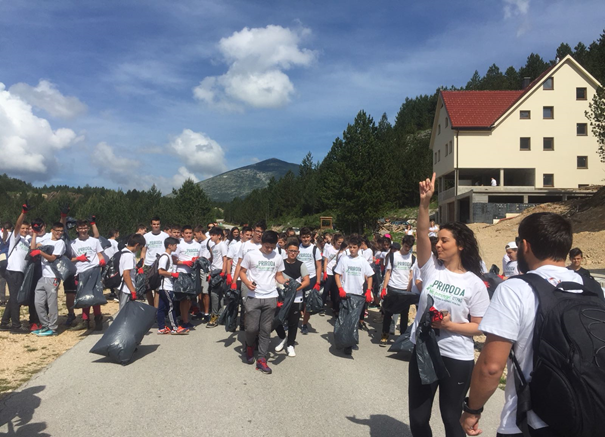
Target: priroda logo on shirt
<point>354,271</point>
<point>446,292</point>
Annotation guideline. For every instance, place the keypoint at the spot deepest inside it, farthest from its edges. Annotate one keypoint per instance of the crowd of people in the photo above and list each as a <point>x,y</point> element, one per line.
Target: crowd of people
<point>446,274</point>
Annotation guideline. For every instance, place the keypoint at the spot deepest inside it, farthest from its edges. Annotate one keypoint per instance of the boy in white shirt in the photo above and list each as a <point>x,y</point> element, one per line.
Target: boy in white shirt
<point>128,268</point>
<point>311,256</point>
<point>259,270</point>
<point>88,255</point>
<point>165,292</point>
<point>218,250</point>
<point>510,268</point>
<point>154,246</point>
<point>351,272</point>
<point>185,255</point>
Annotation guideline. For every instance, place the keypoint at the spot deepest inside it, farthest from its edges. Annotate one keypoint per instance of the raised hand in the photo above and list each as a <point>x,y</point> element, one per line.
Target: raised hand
<point>427,189</point>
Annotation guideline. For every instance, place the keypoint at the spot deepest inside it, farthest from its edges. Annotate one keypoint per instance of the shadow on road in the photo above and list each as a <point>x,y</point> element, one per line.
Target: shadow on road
<point>329,337</point>
<point>17,412</point>
<point>140,352</point>
<point>382,425</point>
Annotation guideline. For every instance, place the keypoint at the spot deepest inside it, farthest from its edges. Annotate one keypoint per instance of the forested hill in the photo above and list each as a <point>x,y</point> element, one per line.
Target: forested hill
<point>241,181</point>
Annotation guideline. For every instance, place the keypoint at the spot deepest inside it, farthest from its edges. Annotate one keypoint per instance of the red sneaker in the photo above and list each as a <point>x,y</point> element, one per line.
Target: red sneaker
<point>261,364</point>
<point>34,327</point>
<point>182,330</point>
<point>250,355</point>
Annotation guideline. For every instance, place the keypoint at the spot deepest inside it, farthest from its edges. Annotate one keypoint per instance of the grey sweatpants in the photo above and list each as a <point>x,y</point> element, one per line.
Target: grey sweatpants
<point>216,299</point>
<point>123,298</point>
<point>259,321</point>
<point>46,295</point>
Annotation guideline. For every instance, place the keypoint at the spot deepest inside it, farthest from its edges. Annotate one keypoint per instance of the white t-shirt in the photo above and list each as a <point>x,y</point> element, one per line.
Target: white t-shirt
<point>483,267</point>
<point>155,245</point>
<point>462,294</point>
<point>16,255</point>
<point>416,276</point>
<point>204,251</point>
<point>165,263</point>
<point>42,239</point>
<point>329,254</point>
<point>434,231</point>
<point>368,254</point>
<point>218,252</point>
<point>59,249</point>
<point>400,273</point>
<point>511,269</point>
<point>261,269</point>
<point>232,252</point>
<point>246,247</point>
<point>305,255</point>
<point>111,251</point>
<point>90,247</point>
<point>186,252</point>
<point>505,260</point>
<point>353,273</point>
<point>511,315</point>
<point>127,262</point>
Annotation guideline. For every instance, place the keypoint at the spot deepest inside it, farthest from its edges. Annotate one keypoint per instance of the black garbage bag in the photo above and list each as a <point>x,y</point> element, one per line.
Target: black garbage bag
<point>287,296</point>
<point>403,345</point>
<point>313,301</point>
<point>28,286</point>
<point>126,332</point>
<point>215,278</point>
<point>46,249</point>
<point>430,363</point>
<point>184,284</point>
<point>140,284</point>
<point>90,289</point>
<point>491,281</point>
<point>396,303</point>
<point>105,244</point>
<point>202,264</point>
<point>229,315</point>
<point>63,268</point>
<point>494,269</point>
<point>345,328</point>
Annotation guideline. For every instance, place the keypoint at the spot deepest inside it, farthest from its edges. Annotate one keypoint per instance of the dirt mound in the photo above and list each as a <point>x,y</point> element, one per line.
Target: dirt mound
<point>586,215</point>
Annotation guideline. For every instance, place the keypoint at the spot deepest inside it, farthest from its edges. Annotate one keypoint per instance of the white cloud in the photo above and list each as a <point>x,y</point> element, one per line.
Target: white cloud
<point>519,9</point>
<point>257,59</point>
<point>46,96</point>
<point>28,144</point>
<point>119,169</point>
<point>200,153</point>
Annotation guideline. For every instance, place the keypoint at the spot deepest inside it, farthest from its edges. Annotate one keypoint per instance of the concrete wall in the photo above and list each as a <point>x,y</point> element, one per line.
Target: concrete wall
<point>440,142</point>
<point>487,212</point>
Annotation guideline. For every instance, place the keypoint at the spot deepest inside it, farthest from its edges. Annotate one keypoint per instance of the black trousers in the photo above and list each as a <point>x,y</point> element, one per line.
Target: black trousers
<point>452,391</point>
<point>541,432</point>
<point>293,318</point>
<point>11,313</point>
<point>403,320</point>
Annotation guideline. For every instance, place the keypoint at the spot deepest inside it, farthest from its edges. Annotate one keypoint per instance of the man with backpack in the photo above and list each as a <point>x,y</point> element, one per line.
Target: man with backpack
<point>551,323</point>
<point>128,268</point>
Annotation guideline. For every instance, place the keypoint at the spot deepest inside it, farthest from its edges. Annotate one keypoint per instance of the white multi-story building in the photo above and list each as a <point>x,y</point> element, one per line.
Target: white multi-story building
<point>497,152</point>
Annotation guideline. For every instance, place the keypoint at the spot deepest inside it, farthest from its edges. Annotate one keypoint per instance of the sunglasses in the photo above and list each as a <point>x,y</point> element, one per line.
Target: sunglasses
<point>518,241</point>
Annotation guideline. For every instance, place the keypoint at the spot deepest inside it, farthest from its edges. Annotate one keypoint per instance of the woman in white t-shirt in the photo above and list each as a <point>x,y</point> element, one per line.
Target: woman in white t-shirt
<point>452,280</point>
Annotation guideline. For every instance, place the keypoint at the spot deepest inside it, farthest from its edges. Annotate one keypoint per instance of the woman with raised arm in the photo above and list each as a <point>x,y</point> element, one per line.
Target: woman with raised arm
<point>460,299</point>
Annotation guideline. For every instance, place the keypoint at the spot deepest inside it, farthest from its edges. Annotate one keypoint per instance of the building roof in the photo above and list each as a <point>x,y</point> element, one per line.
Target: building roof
<point>481,109</point>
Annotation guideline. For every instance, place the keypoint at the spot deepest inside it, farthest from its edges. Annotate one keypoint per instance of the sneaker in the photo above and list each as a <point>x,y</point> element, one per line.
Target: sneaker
<point>38,331</point>
<point>291,352</point>
<point>164,331</point>
<point>213,323</point>
<point>19,330</point>
<point>261,365</point>
<point>384,340</point>
<point>115,299</point>
<point>304,330</point>
<point>99,323</point>
<point>280,345</point>
<point>5,328</point>
<point>83,325</point>
<point>348,350</point>
<point>47,333</point>
<point>34,327</point>
<point>363,326</point>
<point>189,326</point>
<point>249,354</point>
<point>71,317</point>
<point>205,318</point>
<point>181,330</point>
<point>322,313</point>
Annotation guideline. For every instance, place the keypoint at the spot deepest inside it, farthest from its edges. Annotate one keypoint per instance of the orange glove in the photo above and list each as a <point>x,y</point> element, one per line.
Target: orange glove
<point>369,297</point>
<point>342,293</point>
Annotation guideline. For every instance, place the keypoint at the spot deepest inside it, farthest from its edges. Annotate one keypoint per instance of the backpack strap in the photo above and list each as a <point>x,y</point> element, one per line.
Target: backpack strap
<point>413,259</point>
<point>159,258</point>
<point>209,250</point>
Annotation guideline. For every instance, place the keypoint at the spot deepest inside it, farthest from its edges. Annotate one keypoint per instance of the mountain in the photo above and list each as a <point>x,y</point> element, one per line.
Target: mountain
<point>241,181</point>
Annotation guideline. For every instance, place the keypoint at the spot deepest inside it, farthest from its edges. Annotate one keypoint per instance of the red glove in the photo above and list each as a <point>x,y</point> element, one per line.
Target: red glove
<point>82,258</point>
<point>377,262</point>
<point>316,287</point>
<point>436,315</point>
<point>93,220</point>
<point>383,293</point>
<point>175,275</point>
<point>234,285</point>
<point>188,263</point>
<point>34,252</point>
<point>229,279</point>
<point>342,293</point>
<point>102,262</point>
<point>140,271</point>
<point>325,277</point>
<point>280,304</point>
<point>25,207</point>
<point>369,297</point>
<point>133,296</point>
<point>209,278</point>
<point>222,275</point>
<point>194,259</point>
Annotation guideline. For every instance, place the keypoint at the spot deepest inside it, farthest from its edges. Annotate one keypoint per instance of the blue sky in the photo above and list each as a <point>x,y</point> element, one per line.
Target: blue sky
<point>129,93</point>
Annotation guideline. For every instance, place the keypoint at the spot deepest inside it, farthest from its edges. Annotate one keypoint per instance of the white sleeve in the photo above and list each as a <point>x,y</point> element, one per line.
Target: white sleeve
<point>429,267</point>
<point>59,248</point>
<point>503,316</point>
<point>368,270</point>
<point>338,267</point>
<point>246,261</point>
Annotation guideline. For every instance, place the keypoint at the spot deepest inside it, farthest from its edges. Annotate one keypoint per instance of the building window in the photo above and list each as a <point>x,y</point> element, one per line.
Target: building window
<point>525,143</point>
<point>549,84</point>
<point>548,144</point>
<point>439,130</point>
<point>548,112</point>
<point>524,115</point>
<point>548,180</point>
<point>581,129</point>
<point>438,155</point>
<point>582,161</point>
<point>580,93</point>
<point>582,186</point>
<point>446,149</point>
<point>447,122</point>
<point>451,147</point>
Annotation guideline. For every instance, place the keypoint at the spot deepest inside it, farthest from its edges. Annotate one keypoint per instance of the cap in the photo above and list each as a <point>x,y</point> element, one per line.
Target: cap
<point>511,245</point>
<point>396,246</point>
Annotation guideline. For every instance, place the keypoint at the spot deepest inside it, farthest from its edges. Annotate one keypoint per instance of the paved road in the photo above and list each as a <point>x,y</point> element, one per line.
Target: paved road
<point>198,385</point>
